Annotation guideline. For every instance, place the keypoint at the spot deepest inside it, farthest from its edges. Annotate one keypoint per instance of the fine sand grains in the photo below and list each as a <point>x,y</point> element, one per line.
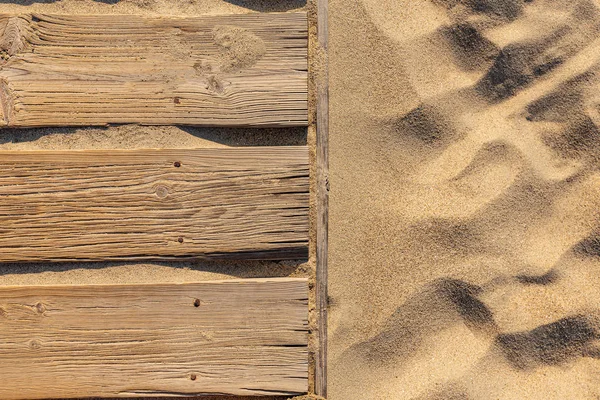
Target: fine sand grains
<point>464,239</point>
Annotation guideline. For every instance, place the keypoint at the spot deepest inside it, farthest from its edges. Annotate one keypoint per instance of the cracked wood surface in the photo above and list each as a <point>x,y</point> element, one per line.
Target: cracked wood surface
<point>220,203</point>
<point>76,70</point>
<point>239,337</point>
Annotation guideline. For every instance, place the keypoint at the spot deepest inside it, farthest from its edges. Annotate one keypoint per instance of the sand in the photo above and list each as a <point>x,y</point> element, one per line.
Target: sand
<point>464,247</point>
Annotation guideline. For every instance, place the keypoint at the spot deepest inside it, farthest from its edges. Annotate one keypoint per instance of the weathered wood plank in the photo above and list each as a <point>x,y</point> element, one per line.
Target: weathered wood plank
<point>322,198</point>
<point>241,203</point>
<point>239,337</point>
<point>235,70</point>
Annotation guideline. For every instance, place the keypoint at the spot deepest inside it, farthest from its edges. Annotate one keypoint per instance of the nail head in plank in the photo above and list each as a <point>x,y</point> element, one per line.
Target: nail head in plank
<point>247,337</point>
<point>220,203</point>
<point>234,70</point>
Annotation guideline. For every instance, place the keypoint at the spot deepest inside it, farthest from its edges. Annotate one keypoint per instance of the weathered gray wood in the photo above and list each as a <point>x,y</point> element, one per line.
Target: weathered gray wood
<point>235,70</point>
<point>239,337</point>
<point>241,203</point>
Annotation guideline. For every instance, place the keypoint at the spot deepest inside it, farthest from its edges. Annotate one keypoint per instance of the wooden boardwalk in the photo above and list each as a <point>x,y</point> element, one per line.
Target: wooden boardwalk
<point>242,337</point>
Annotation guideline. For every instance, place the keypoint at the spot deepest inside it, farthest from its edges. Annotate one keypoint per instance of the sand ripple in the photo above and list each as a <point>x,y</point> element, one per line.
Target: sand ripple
<point>479,274</point>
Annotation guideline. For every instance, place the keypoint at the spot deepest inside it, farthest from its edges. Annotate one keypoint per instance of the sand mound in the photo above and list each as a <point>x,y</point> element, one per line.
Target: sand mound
<point>241,48</point>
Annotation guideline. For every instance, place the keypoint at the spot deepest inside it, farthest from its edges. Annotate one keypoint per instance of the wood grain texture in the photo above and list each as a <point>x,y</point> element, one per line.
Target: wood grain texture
<point>235,70</point>
<point>245,337</point>
<point>242,203</point>
<point>322,200</point>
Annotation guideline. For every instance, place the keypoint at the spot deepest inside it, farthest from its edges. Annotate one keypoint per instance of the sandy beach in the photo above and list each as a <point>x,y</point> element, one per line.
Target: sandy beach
<point>464,232</point>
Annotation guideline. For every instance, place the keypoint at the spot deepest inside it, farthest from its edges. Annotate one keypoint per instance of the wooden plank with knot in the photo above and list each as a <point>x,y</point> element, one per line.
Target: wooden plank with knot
<point>219,203</point>
<point>236,337</point>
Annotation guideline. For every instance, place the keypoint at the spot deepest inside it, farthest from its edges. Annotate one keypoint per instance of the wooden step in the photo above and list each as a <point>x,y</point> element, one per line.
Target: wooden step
<point>234,70</point>
<point>220,203</point>
<point>238,337</point>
